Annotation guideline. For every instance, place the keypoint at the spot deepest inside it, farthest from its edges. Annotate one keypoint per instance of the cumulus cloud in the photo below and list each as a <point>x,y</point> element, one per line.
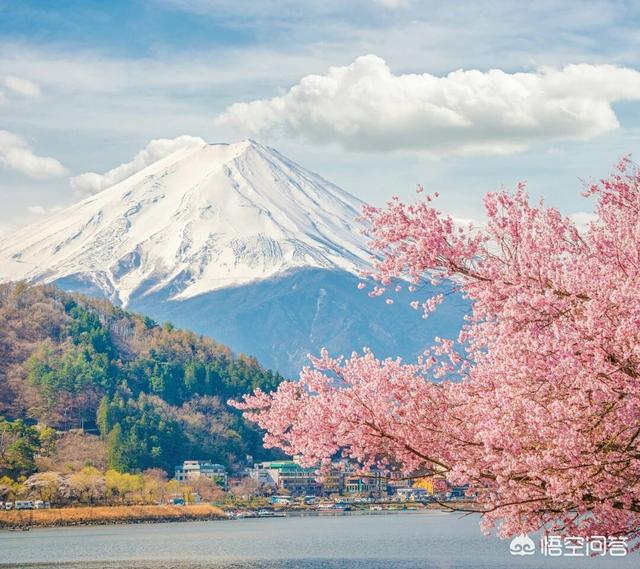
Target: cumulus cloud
<point>91,182</point>
<point>16,154</point>
<point>364,106</point>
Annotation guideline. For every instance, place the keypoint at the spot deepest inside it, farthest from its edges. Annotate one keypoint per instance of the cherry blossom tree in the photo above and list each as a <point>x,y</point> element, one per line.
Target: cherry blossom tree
<point>536,405</point>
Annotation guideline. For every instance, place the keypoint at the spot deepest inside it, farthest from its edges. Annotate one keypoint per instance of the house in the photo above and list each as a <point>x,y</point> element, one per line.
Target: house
<point>194,469</point>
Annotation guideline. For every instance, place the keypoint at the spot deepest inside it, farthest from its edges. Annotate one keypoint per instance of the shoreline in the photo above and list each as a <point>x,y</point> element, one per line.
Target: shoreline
<point>24,520</point>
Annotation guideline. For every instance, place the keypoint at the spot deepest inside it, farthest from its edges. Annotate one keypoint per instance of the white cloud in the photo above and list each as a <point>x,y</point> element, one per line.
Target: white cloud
<point>364,106</point>
<point>16,154</point>
<point>21,86</point>
<point>583,220</point>
<point>91,182</point>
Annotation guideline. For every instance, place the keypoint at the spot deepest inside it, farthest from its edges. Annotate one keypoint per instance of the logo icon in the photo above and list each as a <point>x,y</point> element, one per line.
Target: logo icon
<point>522,545</point>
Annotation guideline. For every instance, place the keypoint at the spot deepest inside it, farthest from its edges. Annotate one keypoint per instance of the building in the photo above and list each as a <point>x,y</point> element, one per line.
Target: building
<point>287,475</point>
<point>333,482</point>
<point>370,485</point>
<point>412,494</point>
<point>397,479</point>
<point>194,469</point>
<point>459,493</point>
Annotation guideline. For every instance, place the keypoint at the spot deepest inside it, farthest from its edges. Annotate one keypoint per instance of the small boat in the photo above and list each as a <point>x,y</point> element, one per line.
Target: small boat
<point>19,528</point>
<point>244,514</point>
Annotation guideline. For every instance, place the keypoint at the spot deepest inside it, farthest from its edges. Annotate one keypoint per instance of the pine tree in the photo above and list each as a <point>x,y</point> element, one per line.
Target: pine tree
<point>103,418</point>
<point>116,455</point>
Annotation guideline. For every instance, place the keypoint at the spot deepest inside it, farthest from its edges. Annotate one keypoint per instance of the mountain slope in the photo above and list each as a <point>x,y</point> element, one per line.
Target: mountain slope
<point>196,221</point>
<point>157,394</point>
<point>234,241</point>
<point>282,319</point>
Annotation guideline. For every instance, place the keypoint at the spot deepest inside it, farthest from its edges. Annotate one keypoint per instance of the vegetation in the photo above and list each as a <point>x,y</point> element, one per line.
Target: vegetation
<point>543,424</point>
<point>90,486</point>
<point>154,395</point>
<point>108,515</point>
<point>92,489</point>
<point>18,445</point>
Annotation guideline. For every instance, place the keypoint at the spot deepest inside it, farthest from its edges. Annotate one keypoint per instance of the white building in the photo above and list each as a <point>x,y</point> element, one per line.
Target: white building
<point>412,494</point>
<point>286,475</point>
<point>194,469</point>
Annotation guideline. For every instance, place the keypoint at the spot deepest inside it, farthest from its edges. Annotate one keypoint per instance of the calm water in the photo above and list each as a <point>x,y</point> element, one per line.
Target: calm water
<point>432,540</point>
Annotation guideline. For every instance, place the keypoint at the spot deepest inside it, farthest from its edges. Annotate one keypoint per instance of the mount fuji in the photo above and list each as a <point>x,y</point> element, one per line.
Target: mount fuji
<point>234,241</point>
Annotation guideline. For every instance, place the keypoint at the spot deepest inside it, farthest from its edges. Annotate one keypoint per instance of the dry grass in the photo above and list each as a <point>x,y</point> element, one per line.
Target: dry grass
<point>107,515</point>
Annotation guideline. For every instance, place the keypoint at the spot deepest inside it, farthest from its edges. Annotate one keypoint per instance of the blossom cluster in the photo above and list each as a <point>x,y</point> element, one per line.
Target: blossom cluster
<point>536,404</point>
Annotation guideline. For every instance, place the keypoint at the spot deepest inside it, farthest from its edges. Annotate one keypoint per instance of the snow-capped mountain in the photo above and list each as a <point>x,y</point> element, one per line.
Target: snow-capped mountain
<point>196,221</point>
<point>234,241</point>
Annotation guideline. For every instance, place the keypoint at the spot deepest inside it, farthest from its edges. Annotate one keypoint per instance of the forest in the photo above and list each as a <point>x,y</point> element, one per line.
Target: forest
<point>86,383</point>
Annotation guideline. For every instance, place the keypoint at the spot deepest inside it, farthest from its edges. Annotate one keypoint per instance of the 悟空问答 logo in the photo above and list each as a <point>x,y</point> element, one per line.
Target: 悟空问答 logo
<point>522,545</point>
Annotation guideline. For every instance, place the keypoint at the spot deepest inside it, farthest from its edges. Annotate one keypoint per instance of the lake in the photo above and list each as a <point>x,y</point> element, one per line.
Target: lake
<point>404,541</point>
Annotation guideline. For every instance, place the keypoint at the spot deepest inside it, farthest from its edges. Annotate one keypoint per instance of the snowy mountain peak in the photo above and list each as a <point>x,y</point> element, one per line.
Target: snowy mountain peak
<point>198,220</point>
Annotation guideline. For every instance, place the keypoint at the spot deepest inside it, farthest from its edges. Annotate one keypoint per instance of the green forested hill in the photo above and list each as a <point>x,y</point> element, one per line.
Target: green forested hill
<point>156,395</point>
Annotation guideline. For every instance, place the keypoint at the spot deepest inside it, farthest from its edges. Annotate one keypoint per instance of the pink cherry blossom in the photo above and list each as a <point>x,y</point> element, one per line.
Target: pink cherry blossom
<point>536,404</point>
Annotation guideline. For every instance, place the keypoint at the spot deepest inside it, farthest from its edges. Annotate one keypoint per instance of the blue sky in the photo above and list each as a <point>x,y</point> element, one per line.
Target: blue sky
<point>86,85</point>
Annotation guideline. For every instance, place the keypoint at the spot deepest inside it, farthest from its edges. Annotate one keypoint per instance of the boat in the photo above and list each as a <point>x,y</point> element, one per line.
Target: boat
<point>244,514</point>
<point>19,528</point>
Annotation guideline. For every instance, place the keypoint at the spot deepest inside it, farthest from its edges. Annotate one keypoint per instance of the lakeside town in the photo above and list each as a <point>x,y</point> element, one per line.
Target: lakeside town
<point>264,489</point>
<point>285,482</point>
